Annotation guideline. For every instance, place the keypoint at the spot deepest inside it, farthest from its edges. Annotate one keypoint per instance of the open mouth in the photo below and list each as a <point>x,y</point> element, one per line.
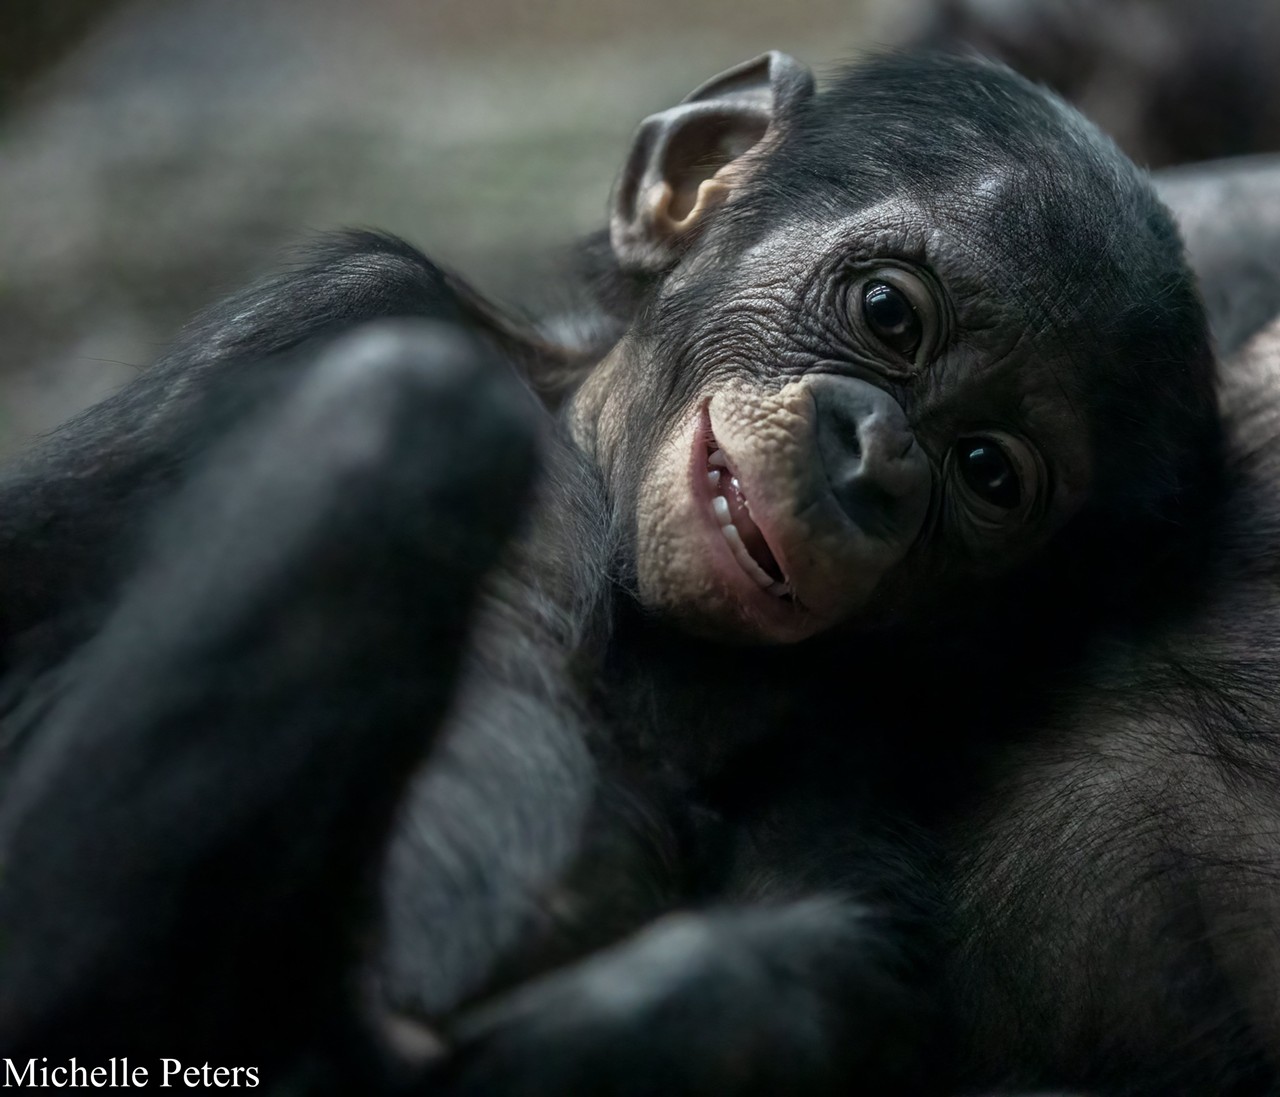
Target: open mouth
<point>732,512</point>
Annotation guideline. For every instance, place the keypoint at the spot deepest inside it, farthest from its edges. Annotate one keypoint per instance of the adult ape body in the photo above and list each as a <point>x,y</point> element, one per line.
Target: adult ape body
<point>1173,83</point>
<point>910,360</point>
<point>1227,212</point>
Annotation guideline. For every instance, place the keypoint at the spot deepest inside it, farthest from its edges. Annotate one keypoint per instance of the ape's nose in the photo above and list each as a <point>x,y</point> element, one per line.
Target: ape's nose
<point>878,473</point>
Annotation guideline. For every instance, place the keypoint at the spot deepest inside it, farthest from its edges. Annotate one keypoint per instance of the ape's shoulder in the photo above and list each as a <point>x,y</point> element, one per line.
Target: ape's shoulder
<point>338,281</point>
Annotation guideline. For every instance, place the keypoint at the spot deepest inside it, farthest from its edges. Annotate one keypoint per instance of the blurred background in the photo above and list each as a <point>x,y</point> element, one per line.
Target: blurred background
<point>154,153</point>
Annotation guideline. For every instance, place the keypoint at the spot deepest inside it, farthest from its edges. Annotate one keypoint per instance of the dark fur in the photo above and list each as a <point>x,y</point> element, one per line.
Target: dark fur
<point>1173,81</point>
<point>240,596</point>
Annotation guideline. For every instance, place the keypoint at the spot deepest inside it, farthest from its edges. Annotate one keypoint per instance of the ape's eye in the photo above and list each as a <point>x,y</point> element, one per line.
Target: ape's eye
<point>988,472</point>
<point>891,317</point>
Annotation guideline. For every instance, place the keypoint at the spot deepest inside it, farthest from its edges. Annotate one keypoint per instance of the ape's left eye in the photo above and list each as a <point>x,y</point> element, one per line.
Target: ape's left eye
<point>892,318</point>
<point>988,472</point>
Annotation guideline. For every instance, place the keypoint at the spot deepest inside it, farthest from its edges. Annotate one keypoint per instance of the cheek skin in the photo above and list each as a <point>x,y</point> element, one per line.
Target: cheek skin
<point>768,438</point>
<point>833,566</point>
<point>670,539</point>
<point>594,422</point>
<point>682,562</point>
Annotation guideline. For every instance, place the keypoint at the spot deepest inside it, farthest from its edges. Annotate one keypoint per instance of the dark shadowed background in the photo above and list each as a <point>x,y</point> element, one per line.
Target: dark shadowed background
<point>154,153</point>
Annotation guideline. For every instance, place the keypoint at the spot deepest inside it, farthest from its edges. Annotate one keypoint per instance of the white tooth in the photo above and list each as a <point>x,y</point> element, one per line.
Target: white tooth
<point>721,506</point>
<point>713,480</point>
<point>744,557</point>
<point>716,460</point>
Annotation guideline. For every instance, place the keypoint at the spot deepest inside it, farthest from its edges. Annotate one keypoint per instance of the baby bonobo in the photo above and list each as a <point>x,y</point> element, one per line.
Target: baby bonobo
<point>904,404</point>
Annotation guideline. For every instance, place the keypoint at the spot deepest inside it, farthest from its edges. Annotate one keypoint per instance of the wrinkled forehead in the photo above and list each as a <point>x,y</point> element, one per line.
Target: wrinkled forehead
<point>986,245</point>
<point>998,266</point>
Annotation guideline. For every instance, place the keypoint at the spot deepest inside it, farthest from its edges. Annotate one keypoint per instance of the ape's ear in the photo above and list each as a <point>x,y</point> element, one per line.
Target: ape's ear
<point>685,160</point>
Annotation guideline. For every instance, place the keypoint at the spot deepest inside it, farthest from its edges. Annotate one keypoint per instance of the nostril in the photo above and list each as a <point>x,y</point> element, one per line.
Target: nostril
<point>885,438</point>
<point>876,471</point>
<point>844,435</point>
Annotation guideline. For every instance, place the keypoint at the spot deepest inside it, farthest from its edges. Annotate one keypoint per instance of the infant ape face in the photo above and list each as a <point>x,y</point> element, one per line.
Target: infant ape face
<point>901,339</point>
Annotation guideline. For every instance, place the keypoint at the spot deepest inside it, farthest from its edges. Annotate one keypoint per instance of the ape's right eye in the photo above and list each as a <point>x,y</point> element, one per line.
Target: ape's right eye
<point>892,318</point>
<point>895,310</point>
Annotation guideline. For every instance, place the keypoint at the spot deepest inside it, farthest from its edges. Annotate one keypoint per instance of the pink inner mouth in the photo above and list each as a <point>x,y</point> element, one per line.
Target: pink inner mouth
<point>732,513</point>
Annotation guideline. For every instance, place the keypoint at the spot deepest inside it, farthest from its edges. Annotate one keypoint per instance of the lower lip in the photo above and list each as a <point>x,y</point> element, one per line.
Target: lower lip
<point>726,564</point>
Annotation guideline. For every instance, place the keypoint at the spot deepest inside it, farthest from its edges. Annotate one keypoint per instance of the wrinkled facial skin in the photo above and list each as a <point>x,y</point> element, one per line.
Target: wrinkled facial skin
<point>754,391</point>
<point>900,360</point>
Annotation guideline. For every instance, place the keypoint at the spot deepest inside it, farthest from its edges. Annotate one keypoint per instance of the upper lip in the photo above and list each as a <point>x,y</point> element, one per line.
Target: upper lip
<point>746,540</point>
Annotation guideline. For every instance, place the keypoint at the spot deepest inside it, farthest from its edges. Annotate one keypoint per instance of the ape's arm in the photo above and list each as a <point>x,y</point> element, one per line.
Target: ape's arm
<point>265,551</point>
<point>191,835</point>
<point>71,508</point>
<point>796,989</point>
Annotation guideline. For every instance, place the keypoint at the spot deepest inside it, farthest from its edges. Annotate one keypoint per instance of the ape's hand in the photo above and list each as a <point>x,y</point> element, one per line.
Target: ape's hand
<point>734,1003</point>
